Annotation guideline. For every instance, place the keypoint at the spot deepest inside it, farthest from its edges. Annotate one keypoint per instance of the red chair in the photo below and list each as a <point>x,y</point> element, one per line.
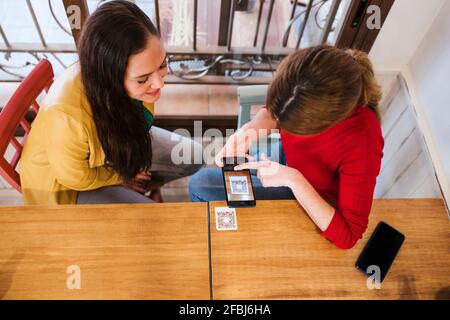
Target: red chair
<point>13,115</point>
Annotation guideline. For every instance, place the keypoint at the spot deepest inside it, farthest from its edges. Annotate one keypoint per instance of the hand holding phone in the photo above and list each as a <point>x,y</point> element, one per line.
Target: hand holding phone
<point>238,184</point>
<point>236,146</point>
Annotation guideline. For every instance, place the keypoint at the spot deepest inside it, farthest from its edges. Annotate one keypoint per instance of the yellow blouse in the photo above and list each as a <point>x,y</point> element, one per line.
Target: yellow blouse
<point>63,154</point>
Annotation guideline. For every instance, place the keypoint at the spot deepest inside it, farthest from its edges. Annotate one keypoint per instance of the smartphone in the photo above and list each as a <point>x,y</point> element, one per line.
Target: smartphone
<point>159,176</point>
<point>380,251</point>
<point>238,184</point>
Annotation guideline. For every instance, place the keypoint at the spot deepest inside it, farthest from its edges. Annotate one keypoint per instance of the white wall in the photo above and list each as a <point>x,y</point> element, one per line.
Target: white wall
<point>430,70</point>
<point>415,40</point>
<point>402,32</point>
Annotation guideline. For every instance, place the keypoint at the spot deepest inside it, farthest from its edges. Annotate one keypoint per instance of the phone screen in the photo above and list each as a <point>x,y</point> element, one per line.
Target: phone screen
<point>381,250</point>
<point>238,186</point>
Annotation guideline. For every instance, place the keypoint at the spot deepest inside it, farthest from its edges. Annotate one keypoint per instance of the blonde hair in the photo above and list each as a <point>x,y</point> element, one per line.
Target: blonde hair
<point>316,87</point>
<point>370,91</point>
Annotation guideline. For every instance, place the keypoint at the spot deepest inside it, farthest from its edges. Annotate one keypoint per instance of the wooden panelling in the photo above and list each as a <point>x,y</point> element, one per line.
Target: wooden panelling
<point>407,170</point>
<point>428,188</point>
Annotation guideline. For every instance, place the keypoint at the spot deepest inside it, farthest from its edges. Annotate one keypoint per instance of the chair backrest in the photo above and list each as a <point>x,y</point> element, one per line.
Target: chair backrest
<point>249,96</point>
<point>13,116</point>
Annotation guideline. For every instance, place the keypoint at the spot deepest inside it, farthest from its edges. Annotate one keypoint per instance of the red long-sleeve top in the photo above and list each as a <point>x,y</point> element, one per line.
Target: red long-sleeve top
<point>342,164</point>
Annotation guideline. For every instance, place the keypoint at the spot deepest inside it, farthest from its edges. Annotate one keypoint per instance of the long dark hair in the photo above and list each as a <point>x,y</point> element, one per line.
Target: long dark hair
<point>114,32</point>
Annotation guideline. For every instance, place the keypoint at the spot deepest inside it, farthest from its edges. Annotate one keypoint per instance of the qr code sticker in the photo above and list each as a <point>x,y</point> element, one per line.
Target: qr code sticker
<point>239,185</point>
<point>226,219</point>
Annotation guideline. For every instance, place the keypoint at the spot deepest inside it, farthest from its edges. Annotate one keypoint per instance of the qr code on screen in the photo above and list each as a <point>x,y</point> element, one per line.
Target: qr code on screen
<point>239,185</point>
<point>226,218</point>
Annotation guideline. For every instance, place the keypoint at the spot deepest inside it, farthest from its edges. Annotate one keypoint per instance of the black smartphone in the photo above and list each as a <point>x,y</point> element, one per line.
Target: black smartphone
<point>238,184</point>
<point>159,176</point>
<point>380,251</point>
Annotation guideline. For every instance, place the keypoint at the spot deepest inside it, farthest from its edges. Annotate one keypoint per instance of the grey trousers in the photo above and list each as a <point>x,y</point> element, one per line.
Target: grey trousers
<point>163,169</point>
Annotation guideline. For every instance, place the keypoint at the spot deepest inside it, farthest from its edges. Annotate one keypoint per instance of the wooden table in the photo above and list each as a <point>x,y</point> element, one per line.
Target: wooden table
<point>277,253</point>
<point>160,251</point>
<point>156,251</point>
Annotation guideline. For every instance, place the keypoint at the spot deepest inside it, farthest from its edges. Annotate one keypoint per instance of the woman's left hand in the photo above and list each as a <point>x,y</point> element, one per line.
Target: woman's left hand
<point>271,173</point>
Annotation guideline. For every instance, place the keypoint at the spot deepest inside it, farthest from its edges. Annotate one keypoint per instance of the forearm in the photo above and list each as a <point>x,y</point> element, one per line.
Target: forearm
<point>320,211</point>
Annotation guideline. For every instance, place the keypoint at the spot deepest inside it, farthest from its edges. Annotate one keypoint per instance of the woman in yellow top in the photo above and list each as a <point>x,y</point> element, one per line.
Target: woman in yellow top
<point>92,140</point>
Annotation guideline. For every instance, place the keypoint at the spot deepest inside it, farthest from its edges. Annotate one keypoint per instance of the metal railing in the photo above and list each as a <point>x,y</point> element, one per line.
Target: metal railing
<point>221,63</point>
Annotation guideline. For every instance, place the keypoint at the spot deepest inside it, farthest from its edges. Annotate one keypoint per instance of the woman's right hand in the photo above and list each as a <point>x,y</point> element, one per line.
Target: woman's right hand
<point>237,145</point>
<point>139,182</point>
<point>239,142</point>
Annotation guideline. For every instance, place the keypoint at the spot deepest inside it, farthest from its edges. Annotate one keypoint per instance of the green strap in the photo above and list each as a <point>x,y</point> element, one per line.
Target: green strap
<point>148,115</point>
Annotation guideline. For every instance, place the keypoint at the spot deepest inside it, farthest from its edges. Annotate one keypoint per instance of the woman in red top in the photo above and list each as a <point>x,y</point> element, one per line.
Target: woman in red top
<point>325,101</point>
